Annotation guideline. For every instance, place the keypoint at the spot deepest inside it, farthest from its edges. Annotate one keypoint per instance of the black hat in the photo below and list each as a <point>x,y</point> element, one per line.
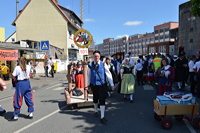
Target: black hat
<point>181,55</point>
<point>96,51</point>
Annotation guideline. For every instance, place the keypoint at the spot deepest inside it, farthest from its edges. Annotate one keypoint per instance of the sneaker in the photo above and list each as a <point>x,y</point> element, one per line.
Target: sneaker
<point>103,120</point>
<point>12,119</point>
<point>2,112</point>
<point>28,117</point>
<point>96,114</point>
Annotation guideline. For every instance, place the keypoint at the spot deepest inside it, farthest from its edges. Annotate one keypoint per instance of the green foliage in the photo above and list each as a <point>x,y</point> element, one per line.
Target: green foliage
<point>195,4</point>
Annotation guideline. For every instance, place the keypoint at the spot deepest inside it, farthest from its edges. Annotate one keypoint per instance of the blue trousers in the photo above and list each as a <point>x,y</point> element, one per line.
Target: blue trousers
<point>23,89</point>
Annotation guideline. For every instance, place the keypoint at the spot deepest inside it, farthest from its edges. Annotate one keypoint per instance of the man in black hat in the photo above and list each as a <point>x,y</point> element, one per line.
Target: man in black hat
<point>180,71</point>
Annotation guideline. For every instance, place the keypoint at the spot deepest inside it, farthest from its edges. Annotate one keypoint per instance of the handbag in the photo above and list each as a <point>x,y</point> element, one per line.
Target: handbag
<point>77,92</point>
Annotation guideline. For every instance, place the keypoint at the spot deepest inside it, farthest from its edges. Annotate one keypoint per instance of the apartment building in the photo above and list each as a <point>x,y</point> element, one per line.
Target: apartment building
<point>162,38</point>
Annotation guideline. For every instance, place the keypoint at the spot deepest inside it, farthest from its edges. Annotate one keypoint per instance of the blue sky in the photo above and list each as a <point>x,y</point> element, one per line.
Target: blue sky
<point>108,18</point>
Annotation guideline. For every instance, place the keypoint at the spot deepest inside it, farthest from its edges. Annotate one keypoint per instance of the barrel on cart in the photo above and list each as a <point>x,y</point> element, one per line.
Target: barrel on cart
<point>165,113</point>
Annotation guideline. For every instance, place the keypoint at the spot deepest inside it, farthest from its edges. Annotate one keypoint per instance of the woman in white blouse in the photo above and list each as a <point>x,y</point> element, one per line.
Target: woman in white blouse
<point>23,89</point>
<point>128,81</point>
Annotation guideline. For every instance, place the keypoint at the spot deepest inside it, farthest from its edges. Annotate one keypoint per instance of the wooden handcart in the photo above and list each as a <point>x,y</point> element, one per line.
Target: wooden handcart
<point>165,113</point>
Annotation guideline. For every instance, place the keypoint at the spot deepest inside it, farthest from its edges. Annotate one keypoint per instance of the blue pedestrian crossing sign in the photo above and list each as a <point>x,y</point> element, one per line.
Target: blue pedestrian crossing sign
<point>44,45</point>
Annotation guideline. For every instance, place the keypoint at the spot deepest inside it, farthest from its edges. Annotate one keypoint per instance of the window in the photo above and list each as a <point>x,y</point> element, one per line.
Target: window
<point>161,30</point>
<point>191,40</point>
<point>161,37</point>
<point>13,39</point>
<point>156,38</point>
<point>152,38</point>
<point>166,35</point>
<point>156,31</point>
<point>191,29</point>
<point>166,29</point>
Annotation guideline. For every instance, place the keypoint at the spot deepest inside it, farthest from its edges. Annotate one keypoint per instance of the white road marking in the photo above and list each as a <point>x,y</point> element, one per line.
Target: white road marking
<point>59,88</point>
<point>189,126</point>
<point>10,97</point>
<point>41,119</point>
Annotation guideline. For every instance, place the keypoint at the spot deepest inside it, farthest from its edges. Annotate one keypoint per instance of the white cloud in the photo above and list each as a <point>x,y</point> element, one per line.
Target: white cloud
<point>88,20</point>
<point>133,23</point>
<point>120,36</point>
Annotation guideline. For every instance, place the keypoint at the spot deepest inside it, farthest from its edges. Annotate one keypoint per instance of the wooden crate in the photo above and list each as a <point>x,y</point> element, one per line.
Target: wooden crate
<point>175,108</point>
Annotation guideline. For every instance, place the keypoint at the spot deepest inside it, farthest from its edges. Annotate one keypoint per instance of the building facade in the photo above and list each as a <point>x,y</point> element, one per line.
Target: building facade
<point>46,20</point>
<point>162,38</point>
<point>189,30</point>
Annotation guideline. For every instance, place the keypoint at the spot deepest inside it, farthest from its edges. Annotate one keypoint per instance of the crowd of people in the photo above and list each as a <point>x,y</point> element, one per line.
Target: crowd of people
<point>106,74</point>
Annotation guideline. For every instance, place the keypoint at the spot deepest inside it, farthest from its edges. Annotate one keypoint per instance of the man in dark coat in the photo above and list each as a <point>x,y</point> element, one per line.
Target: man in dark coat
<point>180,71</point>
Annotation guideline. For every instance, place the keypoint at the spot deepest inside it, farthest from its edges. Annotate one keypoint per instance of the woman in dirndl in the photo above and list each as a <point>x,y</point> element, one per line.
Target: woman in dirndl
<point>165,77</point>
<point>78,71</point>
<point>128,81</point>
<point>112,71</point>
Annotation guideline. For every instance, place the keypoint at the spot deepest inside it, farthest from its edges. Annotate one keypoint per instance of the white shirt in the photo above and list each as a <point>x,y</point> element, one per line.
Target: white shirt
<point>169,60</point>
<point>139,66</point>
<point>110,66</point>
<point>191,65</point>
<point>118,67</point>
<point>21,75</point>
<point>197,66</point>
<point>50,62</point>
<point>108,74</point>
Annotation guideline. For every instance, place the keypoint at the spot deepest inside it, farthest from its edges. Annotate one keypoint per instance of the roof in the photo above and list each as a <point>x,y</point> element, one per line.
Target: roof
<point>60,10</point>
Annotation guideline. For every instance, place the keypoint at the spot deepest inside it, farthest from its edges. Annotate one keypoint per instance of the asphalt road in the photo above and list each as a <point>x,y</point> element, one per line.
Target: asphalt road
<point>52,115</point>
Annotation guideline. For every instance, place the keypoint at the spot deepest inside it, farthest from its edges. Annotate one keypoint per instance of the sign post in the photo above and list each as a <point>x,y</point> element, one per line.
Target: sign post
<point>44,46</point>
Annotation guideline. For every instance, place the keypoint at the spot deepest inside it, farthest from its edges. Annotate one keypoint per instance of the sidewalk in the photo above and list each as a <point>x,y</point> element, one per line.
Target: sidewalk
<point>38,82</point>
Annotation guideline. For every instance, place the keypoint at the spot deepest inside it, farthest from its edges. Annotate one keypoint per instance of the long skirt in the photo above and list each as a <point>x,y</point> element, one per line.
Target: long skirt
<point>127,84</point>
<point>79,81</point>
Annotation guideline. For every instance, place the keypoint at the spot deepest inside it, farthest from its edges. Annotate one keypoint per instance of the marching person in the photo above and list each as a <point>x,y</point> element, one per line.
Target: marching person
<point>51,63</point>
<point>128,81</point>
<point>2,87</point>
<point>23,89</point>
<point>165,76</point>
<point>139,74</point>
<point>4,72</point>
<point>192,73</point>
<point>196,68</point>
<point>97,74</point>
<point>111,68</point>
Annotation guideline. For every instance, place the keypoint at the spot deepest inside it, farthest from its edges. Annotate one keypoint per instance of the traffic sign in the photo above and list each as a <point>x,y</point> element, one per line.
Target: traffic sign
<point>44,45</point>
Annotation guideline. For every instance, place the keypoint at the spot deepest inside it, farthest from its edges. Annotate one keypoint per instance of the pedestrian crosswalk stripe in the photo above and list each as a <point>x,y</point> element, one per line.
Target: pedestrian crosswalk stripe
<point>58,88</point>
<point>148,87</point>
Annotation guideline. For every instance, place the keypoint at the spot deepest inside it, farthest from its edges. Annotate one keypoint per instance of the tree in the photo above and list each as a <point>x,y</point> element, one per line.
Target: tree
<point>195,5</point>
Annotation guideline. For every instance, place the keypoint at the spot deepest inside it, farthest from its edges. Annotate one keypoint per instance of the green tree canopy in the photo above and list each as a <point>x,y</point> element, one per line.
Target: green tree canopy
<point>195,4</point>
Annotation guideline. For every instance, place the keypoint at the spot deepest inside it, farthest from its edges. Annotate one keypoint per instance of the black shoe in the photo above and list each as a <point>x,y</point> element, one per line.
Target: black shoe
<point>131,101</point>
<point>96,114</point>
<point>103,120</point>
<point>12,119</point>
<point>125,98</point>
<point>2,112</point>
<point>28,117</point>
<point>143,83</point>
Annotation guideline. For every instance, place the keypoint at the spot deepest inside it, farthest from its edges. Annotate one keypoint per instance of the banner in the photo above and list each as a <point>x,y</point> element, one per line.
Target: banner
<point>8,55</point>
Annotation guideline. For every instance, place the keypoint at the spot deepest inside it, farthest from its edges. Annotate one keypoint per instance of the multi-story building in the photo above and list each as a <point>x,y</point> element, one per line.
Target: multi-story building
<point>47,20</point>
<point>162,38</point>
<point>189,30</point>
<point>138,43</point>
<point>2,34</point>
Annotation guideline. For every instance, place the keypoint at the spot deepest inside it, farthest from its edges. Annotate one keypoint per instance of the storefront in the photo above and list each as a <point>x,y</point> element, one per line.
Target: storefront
<point>9,58</point>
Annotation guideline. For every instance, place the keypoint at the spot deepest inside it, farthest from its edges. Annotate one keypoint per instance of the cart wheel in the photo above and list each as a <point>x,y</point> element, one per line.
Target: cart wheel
<point>166,123</point>
<point>157,117</point>
<point>196,123</point>
<point>179,117</point>
<point>73,106</point>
